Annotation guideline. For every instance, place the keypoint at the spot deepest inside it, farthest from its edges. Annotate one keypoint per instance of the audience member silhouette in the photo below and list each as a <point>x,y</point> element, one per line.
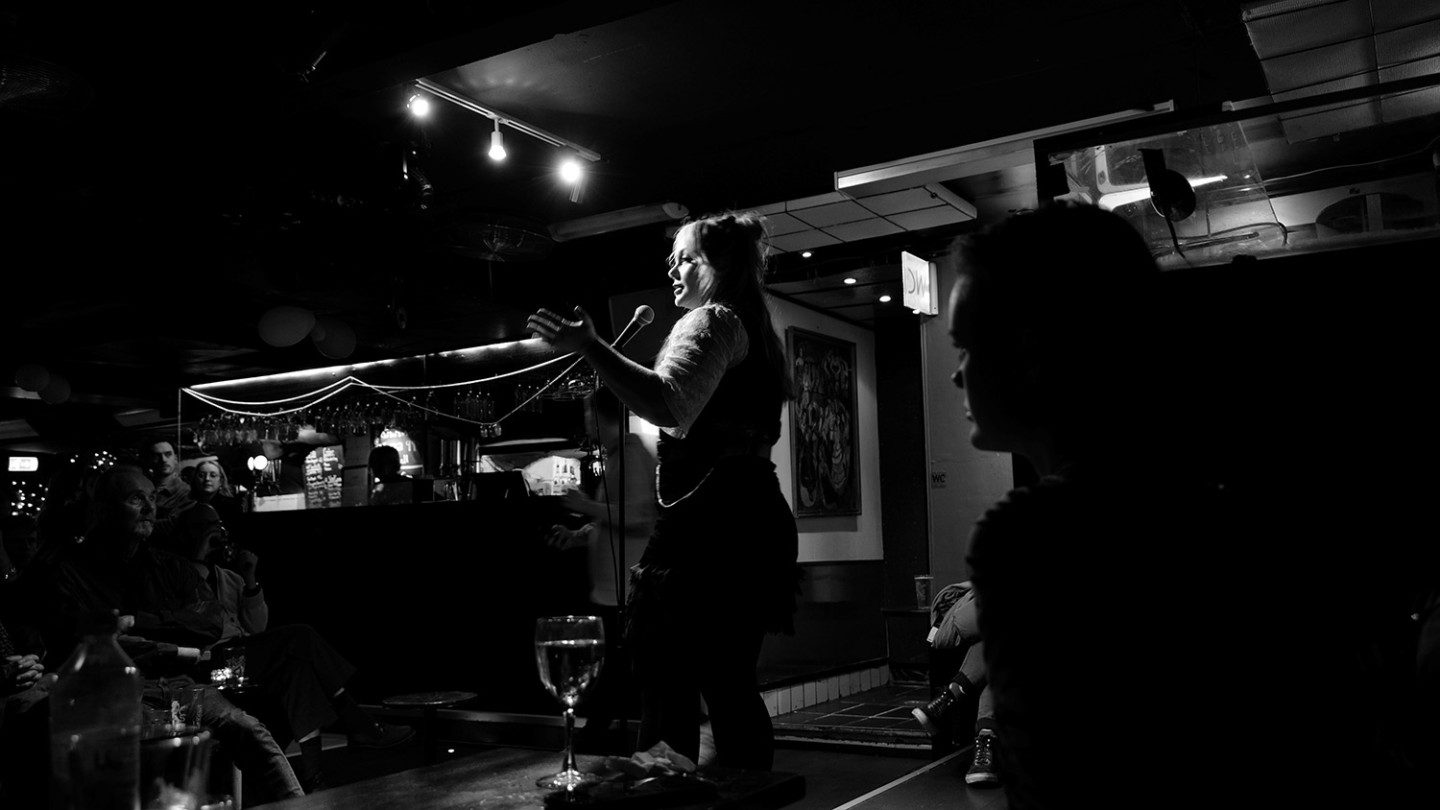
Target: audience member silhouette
<point>161,463</point>
<point>1143,629</point>
<point>212,486</point>
<point>300,678</point>
<point>955,637</point>
<point>391,486</point>
<point>115,569</point>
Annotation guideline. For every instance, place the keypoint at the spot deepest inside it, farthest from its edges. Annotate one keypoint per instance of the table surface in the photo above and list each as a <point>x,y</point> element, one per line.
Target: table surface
<point>428,699</point>
<point>504,778</point>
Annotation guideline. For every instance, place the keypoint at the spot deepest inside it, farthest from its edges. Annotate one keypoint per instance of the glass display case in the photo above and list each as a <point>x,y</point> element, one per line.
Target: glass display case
<point>1256,179</point>
<point>302,440</point>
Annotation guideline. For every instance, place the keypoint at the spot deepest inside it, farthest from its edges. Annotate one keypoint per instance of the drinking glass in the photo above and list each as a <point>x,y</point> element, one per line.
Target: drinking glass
<point>174,771</point>
<point>569,651</point>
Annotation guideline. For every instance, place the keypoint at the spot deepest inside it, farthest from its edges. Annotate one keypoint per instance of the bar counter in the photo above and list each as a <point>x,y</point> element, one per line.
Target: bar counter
<point>423,597</point>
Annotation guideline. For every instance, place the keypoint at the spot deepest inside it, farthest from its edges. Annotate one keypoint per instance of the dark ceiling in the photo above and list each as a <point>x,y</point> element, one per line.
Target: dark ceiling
<point>167,177</point>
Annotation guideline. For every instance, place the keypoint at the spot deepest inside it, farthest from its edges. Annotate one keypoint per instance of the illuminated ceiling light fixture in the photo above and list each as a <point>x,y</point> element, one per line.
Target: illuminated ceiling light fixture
<point>497,143</point>
<point>807,254</point>
<point>575,151</point>
<point>571,172</point>
<point>850,280</point>
<point>419,105</point>
<point>885,299</point>
<point>1141,191</point>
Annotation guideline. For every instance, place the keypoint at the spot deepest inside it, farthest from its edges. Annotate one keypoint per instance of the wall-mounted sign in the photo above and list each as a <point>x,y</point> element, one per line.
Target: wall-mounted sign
<point>24,463</point>
<point>918,278</point>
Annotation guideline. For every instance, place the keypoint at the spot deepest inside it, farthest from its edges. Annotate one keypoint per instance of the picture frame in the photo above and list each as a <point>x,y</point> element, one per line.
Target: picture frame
<point>824,431</point>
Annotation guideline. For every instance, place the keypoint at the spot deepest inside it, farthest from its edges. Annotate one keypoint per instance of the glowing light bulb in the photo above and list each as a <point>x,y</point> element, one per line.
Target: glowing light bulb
<point>419,106</point>
<point>807,254</point>
<point>849,281</point>
<point>571,171</point>
<point>885,299</point>
<point>497,144</point>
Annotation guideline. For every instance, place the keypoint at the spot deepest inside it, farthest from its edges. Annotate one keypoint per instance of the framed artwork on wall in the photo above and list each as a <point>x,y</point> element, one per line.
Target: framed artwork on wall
<point>824,439</point>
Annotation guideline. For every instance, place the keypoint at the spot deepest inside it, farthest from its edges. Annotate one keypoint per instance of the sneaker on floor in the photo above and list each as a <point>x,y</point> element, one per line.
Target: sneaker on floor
<point>984,771</point>
<point>384,736</point>
<point>932,714</point>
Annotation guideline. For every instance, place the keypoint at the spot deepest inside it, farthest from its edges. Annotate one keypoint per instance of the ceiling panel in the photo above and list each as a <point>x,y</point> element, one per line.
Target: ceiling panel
<point>1322,22</point>
<point>804,240</point>
<point>1391,14</point>
<point>1408,44</point>
<point>858,294</point>
<point>864,229</point>
<point>930,218</point>
<point>780,223</point>
<point>911,199</point>
<point>833,214</point>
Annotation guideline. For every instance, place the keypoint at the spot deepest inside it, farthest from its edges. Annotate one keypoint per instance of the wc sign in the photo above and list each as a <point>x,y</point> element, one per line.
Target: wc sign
<point>918,280</point>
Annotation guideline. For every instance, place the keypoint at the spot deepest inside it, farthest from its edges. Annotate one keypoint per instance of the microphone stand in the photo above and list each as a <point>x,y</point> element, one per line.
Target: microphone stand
<point>621,581</point>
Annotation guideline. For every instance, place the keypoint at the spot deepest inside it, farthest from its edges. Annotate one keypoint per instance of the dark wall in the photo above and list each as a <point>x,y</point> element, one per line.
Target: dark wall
<point>900,404</point>
<point>837,621</point>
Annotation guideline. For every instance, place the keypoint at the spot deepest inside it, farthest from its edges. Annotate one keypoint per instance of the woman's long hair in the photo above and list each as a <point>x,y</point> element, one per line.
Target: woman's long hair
<point>225,488</point>
<point>734,244</point>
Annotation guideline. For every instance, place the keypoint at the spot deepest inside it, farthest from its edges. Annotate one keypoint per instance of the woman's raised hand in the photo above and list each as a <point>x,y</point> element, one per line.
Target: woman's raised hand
<point>565,336</point>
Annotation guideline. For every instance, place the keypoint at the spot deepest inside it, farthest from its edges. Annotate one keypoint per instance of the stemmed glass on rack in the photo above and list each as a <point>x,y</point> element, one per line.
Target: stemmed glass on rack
<point>569,651</point>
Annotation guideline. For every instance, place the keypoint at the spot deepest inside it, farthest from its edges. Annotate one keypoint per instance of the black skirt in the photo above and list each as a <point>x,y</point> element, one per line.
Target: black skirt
<point>723,549</point>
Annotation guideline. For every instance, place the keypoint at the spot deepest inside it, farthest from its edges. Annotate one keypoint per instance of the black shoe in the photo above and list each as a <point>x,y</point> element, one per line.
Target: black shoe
<point>932,714</point>
<point>983,770</point>
<point>384,736</point>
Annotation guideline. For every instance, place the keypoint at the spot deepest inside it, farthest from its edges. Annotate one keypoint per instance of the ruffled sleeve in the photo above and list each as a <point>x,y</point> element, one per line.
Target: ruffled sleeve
<point>704,344</point>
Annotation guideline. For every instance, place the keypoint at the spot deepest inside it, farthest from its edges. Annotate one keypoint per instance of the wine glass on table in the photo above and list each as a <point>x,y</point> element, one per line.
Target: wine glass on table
<point>569,651</point>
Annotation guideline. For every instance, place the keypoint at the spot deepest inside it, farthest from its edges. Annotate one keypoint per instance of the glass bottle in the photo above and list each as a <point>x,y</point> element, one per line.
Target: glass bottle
<point>95,726</point>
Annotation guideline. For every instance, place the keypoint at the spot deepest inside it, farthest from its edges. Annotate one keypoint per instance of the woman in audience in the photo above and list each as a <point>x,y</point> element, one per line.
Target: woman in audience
<point>212,486</point>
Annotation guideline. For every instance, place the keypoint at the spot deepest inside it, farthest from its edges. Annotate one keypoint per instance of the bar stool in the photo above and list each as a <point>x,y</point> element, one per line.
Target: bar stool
<point>430,704</point>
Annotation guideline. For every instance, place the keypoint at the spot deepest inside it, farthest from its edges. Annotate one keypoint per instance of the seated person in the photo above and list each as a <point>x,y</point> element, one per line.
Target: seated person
<point>391,485</point>
<point>19,541</point>
<point>115,570</point>
<point>161,463</point>
<point>955,632</point>
<point>212,486</point>
<point>23,729</point>
<point>300,678</point>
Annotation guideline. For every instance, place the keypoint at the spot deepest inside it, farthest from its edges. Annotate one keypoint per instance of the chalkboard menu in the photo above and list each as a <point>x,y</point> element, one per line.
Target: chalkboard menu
<point>323,483</point>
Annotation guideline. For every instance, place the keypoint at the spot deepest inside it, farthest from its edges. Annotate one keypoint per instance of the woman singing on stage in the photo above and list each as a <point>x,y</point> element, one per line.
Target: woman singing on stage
<point>719,571</point>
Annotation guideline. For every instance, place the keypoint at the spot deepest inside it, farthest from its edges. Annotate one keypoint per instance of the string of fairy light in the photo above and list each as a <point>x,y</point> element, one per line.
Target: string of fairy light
<point>401,394</point>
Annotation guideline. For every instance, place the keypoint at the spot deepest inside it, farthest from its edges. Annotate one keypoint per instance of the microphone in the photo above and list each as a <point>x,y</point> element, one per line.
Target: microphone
<point>642,318</point>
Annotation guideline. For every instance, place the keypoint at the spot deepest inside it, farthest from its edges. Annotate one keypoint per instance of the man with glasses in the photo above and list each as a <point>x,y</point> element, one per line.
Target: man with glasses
<point>117,571</point>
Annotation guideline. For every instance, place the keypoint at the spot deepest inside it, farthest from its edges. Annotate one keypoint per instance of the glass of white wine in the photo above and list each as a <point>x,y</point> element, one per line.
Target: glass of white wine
<point>569,651</point>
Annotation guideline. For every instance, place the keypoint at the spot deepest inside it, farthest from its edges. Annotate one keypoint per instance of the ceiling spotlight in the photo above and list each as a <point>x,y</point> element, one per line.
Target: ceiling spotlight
<point>419,105</point>
<point>807,254</point>
<point>884,299</point>
<point>571,171</point>
<point>497,143</point>
<point>849,281</point>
